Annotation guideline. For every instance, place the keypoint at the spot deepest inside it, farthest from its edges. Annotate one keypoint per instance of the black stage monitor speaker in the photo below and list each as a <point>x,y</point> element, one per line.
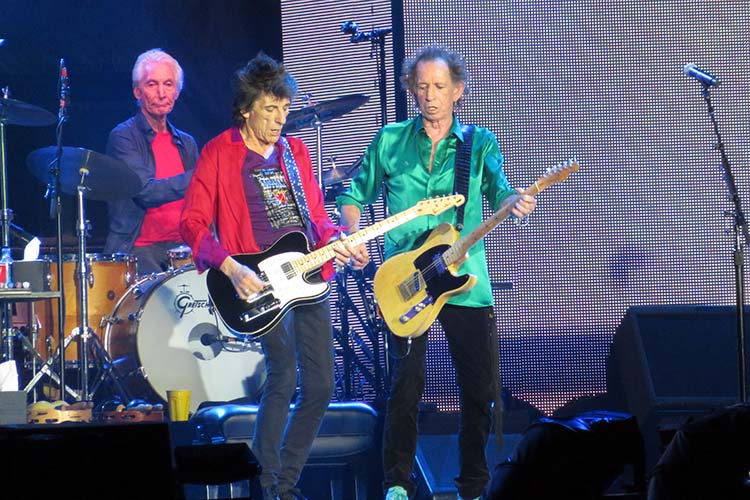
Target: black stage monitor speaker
<point>86,461</point>
<point>673,361</point>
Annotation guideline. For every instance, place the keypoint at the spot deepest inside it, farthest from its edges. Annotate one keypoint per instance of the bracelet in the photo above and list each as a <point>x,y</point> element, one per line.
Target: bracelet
<point>521,221</point>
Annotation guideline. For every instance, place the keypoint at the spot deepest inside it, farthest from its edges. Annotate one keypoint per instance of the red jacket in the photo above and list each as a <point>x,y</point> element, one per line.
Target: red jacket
<point>216,195</point>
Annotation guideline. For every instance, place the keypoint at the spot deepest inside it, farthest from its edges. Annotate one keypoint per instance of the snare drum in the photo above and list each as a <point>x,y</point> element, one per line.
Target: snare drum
<point>180,256</point>
<point>162,336</point>
<point>109,278</point>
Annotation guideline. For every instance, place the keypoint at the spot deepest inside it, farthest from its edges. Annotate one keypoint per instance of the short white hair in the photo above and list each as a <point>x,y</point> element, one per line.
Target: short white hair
<point>150,57</point>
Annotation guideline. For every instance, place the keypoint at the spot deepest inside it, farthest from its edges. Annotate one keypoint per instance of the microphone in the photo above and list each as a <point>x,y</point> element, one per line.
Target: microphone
<point>210,338</point>
<point>351,28</point>
<point>64,89</point>
<point>704,77</point>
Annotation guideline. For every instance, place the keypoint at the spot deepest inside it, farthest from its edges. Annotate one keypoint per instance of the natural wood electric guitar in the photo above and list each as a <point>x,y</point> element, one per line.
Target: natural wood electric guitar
<point>285,267</point>
<point>412,287</point>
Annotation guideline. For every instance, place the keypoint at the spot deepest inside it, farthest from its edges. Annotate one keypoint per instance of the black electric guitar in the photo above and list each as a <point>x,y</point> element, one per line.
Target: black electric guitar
<point>285,267</point>
<point>412,287</point>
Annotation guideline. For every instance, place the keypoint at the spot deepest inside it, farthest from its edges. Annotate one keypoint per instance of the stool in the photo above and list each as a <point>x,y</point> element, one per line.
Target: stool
<point>344,445</point>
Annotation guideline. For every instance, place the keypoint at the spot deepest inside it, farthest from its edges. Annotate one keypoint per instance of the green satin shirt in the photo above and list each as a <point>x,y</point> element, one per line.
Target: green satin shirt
<point>398,159</point>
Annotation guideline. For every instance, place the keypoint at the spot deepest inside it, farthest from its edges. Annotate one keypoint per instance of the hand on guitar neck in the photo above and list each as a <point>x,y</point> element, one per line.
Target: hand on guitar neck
<point>524,205</point>
<point>348,254</point>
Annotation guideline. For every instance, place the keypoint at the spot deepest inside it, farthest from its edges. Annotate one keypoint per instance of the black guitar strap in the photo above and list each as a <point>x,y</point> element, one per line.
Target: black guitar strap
<point>462,172</point>
<point>461,186</point>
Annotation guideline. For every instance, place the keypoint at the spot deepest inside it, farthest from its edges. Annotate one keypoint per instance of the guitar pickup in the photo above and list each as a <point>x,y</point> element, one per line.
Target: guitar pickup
<point>416,309</point>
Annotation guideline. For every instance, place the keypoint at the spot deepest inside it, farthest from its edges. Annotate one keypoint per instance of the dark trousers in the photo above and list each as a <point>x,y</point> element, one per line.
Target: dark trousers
<point>154,258</point>
<point>299,355</point>
<point>472,340</point>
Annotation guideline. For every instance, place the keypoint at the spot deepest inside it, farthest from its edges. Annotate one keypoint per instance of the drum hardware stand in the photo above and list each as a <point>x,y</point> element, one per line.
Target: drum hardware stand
<point>44,369</point>
<point>40,366</point>
<point>371,325</point>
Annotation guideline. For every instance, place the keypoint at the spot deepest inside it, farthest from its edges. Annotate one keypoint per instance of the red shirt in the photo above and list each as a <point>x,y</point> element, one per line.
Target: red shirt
<point>162,223</point>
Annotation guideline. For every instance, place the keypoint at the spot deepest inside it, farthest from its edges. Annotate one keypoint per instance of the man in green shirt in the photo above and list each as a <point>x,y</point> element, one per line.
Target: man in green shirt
<point>414,160</point>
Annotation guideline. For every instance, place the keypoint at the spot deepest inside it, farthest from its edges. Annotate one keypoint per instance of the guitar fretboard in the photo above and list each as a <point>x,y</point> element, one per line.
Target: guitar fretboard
<point>317,258</point>
<point>557,174</point>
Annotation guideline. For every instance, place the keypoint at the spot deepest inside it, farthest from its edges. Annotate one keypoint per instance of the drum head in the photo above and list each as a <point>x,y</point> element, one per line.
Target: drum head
<point>179,347</point>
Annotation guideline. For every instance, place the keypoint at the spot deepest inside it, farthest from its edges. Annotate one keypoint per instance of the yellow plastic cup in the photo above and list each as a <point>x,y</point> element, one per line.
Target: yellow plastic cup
<point>179,405</point>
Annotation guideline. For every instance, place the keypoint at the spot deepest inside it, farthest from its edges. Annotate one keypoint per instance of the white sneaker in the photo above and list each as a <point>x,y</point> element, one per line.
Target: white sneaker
<point>396,493</point>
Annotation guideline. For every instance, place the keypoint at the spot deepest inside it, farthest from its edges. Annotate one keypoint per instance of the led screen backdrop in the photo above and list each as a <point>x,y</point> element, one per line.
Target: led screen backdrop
<point>643,221</point>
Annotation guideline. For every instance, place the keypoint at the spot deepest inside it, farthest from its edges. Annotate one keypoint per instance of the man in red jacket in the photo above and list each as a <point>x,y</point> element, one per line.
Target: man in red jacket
<point>251,187</point>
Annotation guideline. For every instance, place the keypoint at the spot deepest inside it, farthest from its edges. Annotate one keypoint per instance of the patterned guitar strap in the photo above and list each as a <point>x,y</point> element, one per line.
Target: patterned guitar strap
<point>298,191</point>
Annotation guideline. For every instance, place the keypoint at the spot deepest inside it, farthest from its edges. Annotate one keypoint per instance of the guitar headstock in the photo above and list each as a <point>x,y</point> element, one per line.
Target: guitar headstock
<point>555,174</point>
<point>438,205</point>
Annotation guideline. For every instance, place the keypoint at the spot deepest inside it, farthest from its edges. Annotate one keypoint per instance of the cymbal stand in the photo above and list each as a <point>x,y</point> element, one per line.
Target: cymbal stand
<point>6,216</point>
<point>318,126</point>
<point>86,334</point>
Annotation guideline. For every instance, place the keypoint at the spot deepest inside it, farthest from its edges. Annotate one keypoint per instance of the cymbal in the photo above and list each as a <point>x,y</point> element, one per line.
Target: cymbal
<point>337,175</point>
<point>325,111</point>
<point>15,112</point>
<point>107,178</point>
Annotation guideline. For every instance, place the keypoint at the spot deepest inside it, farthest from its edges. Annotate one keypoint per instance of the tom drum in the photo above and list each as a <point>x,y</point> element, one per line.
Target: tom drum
<point>110,275</point>
<point>179,256</point>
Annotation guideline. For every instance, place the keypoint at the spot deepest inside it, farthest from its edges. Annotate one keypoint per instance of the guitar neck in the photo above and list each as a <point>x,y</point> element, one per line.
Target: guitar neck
<point>316,259</point>
<point>459,248</point>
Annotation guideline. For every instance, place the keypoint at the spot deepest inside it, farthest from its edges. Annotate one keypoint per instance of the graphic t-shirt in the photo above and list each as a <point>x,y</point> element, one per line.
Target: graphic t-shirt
<point>273,210</point>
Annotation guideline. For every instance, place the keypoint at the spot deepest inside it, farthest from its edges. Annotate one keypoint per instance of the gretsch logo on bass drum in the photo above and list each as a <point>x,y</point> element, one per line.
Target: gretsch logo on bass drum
<point>184,303</point>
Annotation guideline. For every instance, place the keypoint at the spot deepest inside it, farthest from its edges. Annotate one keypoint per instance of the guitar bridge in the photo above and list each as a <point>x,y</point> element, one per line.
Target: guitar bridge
<point>260,306</point>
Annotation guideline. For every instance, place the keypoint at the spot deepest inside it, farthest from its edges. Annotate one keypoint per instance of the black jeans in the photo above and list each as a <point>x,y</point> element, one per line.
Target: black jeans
<point>472,340</point>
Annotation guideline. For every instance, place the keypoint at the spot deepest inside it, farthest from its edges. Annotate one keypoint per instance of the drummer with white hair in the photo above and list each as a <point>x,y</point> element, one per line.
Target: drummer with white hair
<point>163,157</point>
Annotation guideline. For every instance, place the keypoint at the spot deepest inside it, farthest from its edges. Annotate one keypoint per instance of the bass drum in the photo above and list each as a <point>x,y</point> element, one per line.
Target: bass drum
<point>163,336</point>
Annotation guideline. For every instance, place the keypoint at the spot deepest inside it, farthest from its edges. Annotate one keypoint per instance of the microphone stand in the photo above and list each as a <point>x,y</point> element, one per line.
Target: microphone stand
<point>54,195</point>
<point>376,37</point>
<point>741,236</point>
